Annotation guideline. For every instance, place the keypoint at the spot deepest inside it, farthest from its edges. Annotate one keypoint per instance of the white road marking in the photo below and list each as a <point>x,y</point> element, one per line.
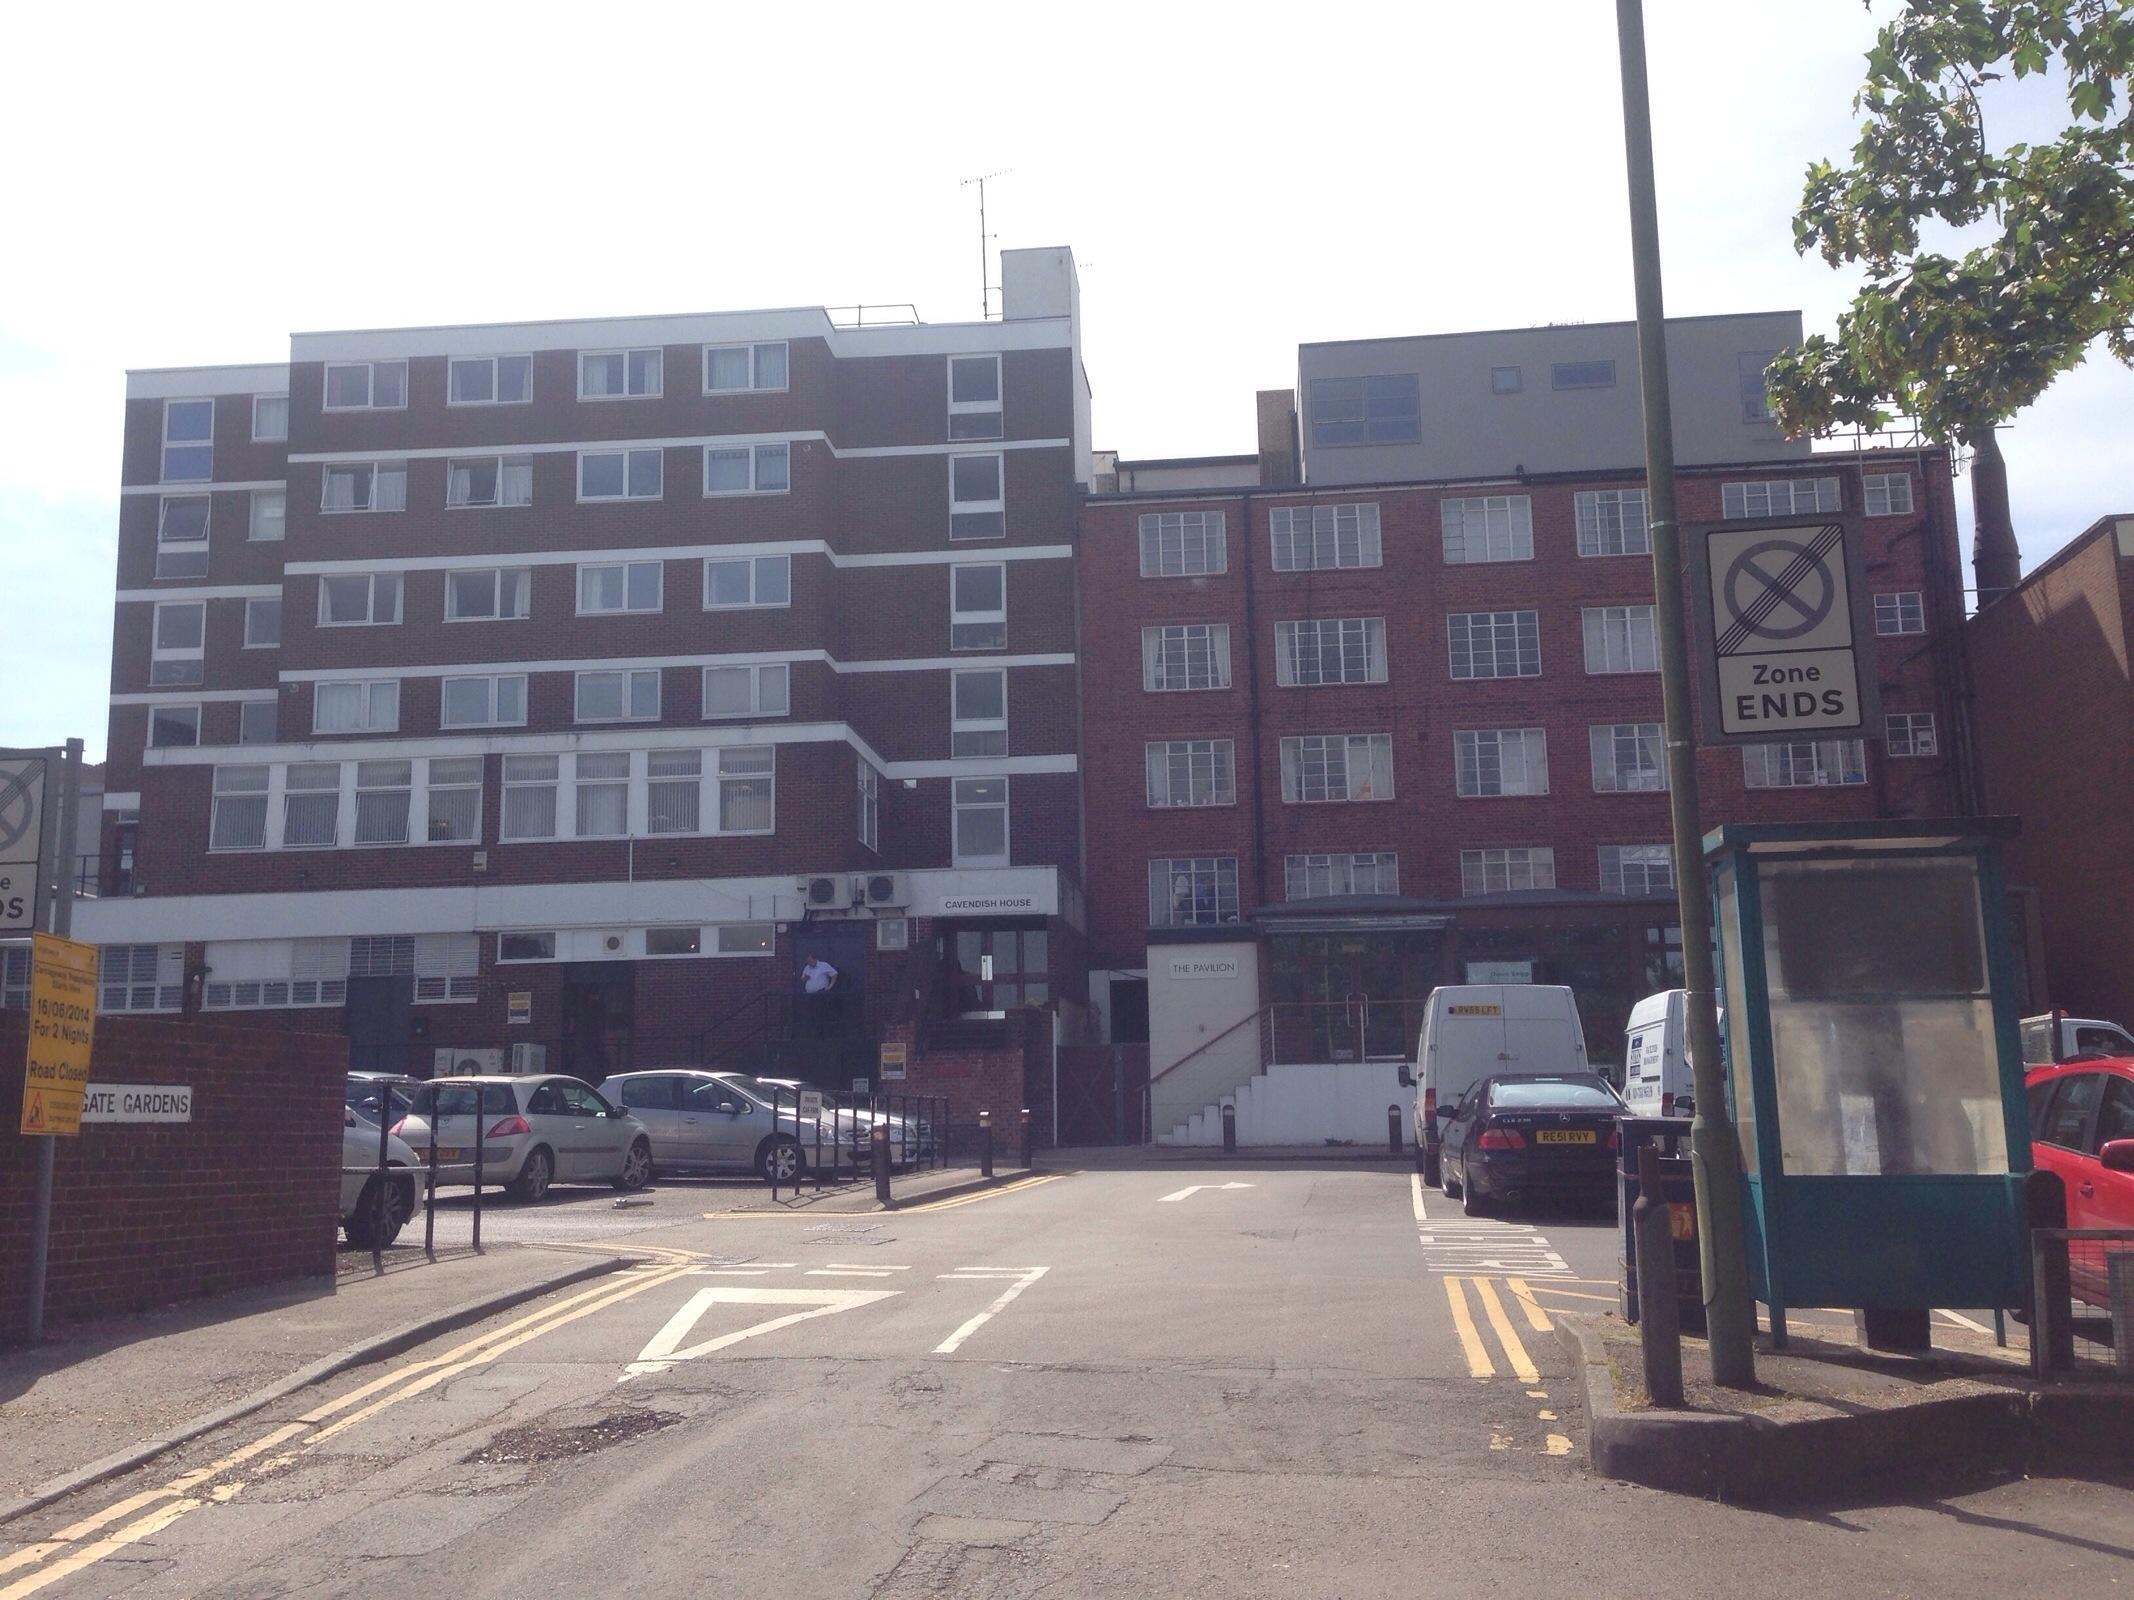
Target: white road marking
<point>947,1347</point>
<point>850,1272</point>
<point>1415,1186</point>
<point>1195,1188</point>
<point>1963,1321</point>
<point>666,1350</point>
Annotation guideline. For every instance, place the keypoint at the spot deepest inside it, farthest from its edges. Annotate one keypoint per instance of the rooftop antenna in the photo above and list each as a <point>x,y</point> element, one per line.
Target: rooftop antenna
<point>985,285</point>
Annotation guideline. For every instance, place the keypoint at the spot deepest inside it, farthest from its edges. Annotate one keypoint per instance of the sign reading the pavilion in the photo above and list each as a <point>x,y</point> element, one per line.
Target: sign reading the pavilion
<point>1784,646</point>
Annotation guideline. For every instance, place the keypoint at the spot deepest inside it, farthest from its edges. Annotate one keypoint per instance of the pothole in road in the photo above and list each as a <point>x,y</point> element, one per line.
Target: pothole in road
<point>566,1441</point>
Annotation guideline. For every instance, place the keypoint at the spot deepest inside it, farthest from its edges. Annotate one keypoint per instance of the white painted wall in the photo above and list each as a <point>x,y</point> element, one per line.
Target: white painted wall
<point>1196,991</point>
<point>1302,1105</point>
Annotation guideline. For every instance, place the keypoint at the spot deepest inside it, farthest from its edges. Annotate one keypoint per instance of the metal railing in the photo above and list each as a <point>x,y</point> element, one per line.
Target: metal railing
<point>1310,1033</point>
<point>831,1136</point>
<point>2082,1302</point>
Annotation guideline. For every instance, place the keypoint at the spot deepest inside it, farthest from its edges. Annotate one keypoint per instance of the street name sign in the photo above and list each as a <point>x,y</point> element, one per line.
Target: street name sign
<point>138,1102</point>
<point>28,804</point>
<point>62,1025</point>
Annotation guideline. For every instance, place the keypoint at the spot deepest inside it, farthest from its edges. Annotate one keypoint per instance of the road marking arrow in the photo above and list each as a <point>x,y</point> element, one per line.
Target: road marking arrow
<point>1195,1188</point>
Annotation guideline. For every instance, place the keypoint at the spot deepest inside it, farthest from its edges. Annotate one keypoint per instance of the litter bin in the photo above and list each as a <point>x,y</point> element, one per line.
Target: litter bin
<point>1678,1189</point>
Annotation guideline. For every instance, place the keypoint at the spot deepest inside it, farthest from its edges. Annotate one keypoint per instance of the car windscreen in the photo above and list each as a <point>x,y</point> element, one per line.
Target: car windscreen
<point>1575,1094</point>
<point>763,1093</point>
<point>457,1099</point>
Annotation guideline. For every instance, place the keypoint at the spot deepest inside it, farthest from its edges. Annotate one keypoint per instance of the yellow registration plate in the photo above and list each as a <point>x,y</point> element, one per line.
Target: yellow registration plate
<point>1563,1136</point>
<point>449,1153</point>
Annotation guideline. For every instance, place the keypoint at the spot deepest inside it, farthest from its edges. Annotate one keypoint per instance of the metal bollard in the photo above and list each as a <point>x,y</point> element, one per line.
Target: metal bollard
<point>985,1144</point>
<point>1229,1129</point>
<point>878,1140</point>
<point>2052,1328</point>
<point>1394,1143</point>
<point>1026,1136</point>
<point>1659,1313</point>
<point>479,1145</point>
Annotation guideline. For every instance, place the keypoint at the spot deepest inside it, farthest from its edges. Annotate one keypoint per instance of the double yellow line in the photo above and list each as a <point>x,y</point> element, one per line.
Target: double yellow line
<point>1480,1364</point>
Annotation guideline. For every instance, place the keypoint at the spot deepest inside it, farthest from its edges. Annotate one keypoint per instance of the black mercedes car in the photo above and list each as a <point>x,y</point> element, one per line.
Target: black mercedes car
<point>1523,1137</point>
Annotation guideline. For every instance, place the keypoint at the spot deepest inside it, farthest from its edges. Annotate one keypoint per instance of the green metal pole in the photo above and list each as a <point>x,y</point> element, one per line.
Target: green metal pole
<point>1715,1157</point>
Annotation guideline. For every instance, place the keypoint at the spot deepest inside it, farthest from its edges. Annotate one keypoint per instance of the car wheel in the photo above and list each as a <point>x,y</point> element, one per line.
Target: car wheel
<point>1471,1203</point>
<point>780,1161</point>
<point>1452,1190</point>
<point>362,1225</point>
<point>636,1166</point>
<point>534,1177</point>
<point>1433,1169</point>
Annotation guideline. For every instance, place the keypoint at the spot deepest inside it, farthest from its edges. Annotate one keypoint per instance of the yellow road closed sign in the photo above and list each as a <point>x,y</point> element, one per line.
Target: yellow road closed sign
<point>62,1027</point>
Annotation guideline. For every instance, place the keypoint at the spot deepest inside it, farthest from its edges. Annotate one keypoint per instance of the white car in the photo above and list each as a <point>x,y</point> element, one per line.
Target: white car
<point>535,1132</point>
<point>359,1182</point>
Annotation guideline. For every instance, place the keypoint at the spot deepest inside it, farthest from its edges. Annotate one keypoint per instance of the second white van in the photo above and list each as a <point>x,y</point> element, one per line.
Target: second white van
<point>1657,1081</point>
<point>1473,1030</point>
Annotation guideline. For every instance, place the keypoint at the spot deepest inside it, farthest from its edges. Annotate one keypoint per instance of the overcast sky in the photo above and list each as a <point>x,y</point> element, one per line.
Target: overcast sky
<point>188,185</point>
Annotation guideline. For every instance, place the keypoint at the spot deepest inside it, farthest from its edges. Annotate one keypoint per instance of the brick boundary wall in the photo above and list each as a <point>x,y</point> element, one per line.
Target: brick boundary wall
<point>143,1215</point>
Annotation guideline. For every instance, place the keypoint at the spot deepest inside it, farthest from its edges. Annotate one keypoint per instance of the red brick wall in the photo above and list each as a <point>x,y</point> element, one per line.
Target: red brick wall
<point>246,1193</point>
<point>1002,1080</point>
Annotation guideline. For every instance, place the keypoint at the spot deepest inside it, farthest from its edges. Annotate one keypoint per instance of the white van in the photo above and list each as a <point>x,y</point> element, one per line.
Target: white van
<point>1657,1081</point>
<point>1471,1030</point>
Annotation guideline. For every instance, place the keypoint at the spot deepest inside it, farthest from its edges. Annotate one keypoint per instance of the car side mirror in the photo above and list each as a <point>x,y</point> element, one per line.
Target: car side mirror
<point>1407,1078</point>
<point>1447,1111</point>
<point>2117,1155</point>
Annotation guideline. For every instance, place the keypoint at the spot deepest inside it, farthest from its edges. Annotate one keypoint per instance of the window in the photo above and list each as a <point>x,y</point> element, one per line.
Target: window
<point>239,818</point>
<point>270,514</point>
<point>869,794</point>
<point>673,942</point>
<point>454,797</point>
<point>977,498</point>
<point>1805,764</point>
<point>447,967</point>
<point>384,955</point>
<point>366,385</point>
<point>1637,869</point>
<point>618,374</point>
<point>747,938</point>
<point>757,691</point>
<point>978,712</point>
<point>173,727</point>
<point>1612,522</point>
<point>1311,877</point>
<point>619,474</point>
<point>732,368</point>
<point>617,586</point>
<point>1495,644</point>
<point>1902,611</point>
<point>601,793</point>
<point>483,702</point>
<point>311,805</point>
<point>1582,375</point>
<point>1910,733</point>
<point>1500,761</point>
<point>526,947</point>
<point>384,792</point>
<point>1192,891</point>
<point>1324,650</point>
<point>359,599</point>
<point>746,801</point>
<point>1620,639</point>
<point>188,441</point>
<point>1749,367</point>
<point>974,397</point>
<point>356,707</point>
<point>180,642</point>
<point>15,978</point>
<point>743,581</point>
<point>1500,871</point>
<point>1191,655</point>
<point>1381,410</point>
<point>625,696</point>
<point>1628,757</point>
<point>263,622</point>
<point>1320,538</point>
<point>1337,766</point>
<point>181,536</point>
<point>1496,527</point>
<point>981,821</point>
<point>674,782</point>
<point>140,977</point>
<point>1506,380</point>
<point>270,418</point>
<point>1183,544</point>
<point>530,811</point>
<point>978,606</point>
<point>365,486</point>
<point>748,469</point>
<point>1778,497</point>
<point>1191,772</point>
<point>258,722</point>
<point>1887,494</point>
<point>489,380</point>
<point>482,594</point>
<point>489,481</point>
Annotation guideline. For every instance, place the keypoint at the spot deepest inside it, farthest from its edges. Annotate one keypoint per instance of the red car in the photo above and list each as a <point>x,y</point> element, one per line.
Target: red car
<point>2082,1127</point>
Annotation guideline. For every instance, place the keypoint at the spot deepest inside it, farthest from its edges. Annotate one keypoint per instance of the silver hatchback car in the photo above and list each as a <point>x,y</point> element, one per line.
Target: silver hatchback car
<point>719,1122</point>
<point>535,1132</point>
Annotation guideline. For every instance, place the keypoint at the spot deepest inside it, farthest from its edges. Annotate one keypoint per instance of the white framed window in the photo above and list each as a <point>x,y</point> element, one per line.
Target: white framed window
<point>1620,639</point>
<point>1582,375</point>
<point>356,706</point>
<point>1495,644</point>
<point>181,536</point>
<point>487,594</point>
<point>1910,733</point>
<point>735,583</point>
<point>619,374</point>
<point>311,805</point>
<point>1491,527</point>
<point>1612,522</point>
<point>275,974</point>
<point>238,820</point>
<point>757,938</point>
<point>687,941</point>
<point>1386,409</point>
<point>1805,764</point>
<point>600,793</point>
<point>1506,380</point>
<point>1186,655</point>
<point>489,481</point>
<point>738,368</point>
<point>1183,544</point>
<point>1638,869</point>
<point>977,496</point>
<point>263,622</point>
<point>258,721</point>
<point>366,385</point>
<point>269,517</point>
<point>140,977</point>
<point>1324,767</point>
<point>1503,870</point>
<point>1322,650</point>
<point>1628,758</point>
<point>452,794</point>
<point>978,606</point>
<point>489,381</point>
<point>173,727</point>
<point>762,690</point>
<point>1500,761</point>
<point>1901,611</point>
<point>622,695</point>
<point>974,397</point>
<point>385,794</point>
<point>489,700</point>
<point>1778,497</point>
<point>188,441</point>
<point>1886,494</point>
<point>1191,772</point>
<point>1313,877</point>
<point>747,795</point>
<point>1192,891</point>
<point>364,486</point>
<point>674,791</point>
<point>359,599</point>
<point>530,784</point>
<point>448,967</point>
<point>270,419</point>
<point>981,821</point>
<point>748,468</point>
<point>620,474</point>
<point>526,946</point>
<point>868,795</point>
<point>179,643</point>
<point>1323,537</point>
<point>608,588</point>
<point>978,712</point>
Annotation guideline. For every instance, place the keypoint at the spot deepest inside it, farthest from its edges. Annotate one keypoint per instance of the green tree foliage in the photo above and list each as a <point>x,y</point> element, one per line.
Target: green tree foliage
<point>1963,341</point>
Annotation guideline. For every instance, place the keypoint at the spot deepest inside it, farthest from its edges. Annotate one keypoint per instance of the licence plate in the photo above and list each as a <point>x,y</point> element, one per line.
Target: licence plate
<point>1563,1136</point>
<point>449,1153</point>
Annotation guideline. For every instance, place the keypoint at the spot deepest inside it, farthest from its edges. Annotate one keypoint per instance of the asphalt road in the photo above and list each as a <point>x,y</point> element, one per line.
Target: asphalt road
<point>1280,1381</point>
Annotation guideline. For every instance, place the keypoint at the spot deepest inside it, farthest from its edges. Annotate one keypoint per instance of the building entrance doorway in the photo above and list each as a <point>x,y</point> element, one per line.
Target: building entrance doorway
<point>599,1010</point>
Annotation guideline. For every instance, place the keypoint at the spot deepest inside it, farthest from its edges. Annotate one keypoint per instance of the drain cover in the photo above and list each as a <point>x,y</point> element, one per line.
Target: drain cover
<point>563,1442</point>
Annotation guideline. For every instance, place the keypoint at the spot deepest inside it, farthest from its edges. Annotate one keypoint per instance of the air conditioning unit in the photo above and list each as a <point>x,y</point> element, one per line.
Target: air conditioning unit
<point>528,1060</point>
<point>826,892</point>
<point>882,890</point>
<point>445,1063</point>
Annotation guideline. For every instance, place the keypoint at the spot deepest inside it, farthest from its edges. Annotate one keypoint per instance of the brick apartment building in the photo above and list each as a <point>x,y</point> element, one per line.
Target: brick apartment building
<point>567,684</point>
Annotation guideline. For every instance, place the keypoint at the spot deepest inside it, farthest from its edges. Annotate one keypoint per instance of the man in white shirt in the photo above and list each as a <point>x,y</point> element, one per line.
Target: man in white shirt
<point>817,979</point>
